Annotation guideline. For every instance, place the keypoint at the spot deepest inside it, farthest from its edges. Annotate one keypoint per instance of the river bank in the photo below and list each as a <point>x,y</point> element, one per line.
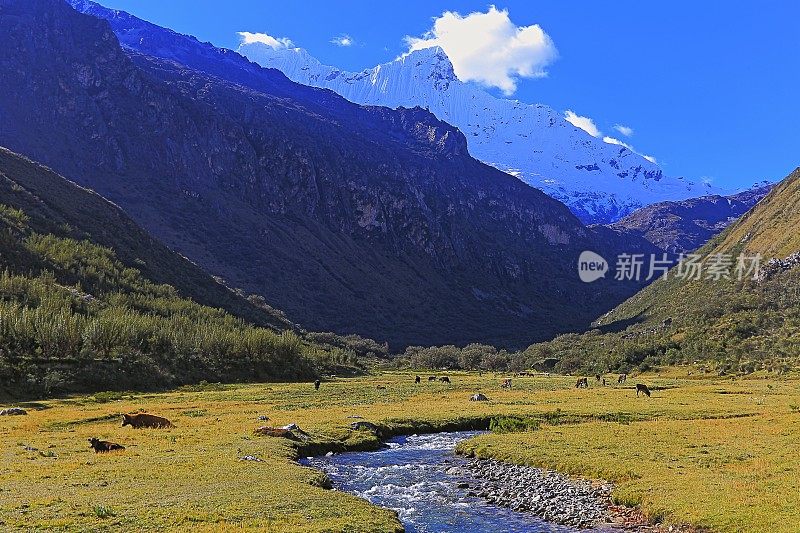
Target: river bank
<point>553,498</point>
<point>429,487</point>
<point>716,452</point>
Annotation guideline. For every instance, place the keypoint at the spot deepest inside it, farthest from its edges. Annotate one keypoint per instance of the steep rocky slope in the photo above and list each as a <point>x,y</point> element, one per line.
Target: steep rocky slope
<point>56,206</point>
<point>89,301</point>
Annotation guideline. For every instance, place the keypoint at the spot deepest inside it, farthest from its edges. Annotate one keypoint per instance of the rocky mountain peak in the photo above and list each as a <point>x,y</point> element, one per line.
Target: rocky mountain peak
<point>430,64</point>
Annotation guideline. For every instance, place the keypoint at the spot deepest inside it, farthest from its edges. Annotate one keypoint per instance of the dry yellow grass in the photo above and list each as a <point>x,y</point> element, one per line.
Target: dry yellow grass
<point>685,459</point>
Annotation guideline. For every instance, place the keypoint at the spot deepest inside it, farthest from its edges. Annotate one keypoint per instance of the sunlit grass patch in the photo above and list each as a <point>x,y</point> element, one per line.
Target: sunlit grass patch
<point>688,454</point>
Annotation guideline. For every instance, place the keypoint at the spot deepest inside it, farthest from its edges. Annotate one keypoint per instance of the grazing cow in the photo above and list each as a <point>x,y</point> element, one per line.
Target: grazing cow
<point>417,379</point>
<point>582,383</point>
<point>431,378</point>
<point>103,446</point>
<point>643,389</point>
<point>506,383</point>
<point>444,379</point>
<point>142,420</point>
<point>622,378</point>
<point>597,377</point>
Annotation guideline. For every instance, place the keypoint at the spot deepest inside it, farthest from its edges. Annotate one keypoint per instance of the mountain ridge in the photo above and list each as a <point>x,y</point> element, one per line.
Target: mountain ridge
<point>354,219</point>
<point>599,181</point>
<point>681,227</point>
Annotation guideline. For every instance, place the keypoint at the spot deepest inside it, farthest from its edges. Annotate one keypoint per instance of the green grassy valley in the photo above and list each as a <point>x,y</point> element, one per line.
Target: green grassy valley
<point>428,297</point>
<point>704,453</point>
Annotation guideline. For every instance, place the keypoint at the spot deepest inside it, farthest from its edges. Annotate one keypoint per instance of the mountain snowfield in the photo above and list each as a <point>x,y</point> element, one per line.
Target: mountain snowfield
<point>600,182</point>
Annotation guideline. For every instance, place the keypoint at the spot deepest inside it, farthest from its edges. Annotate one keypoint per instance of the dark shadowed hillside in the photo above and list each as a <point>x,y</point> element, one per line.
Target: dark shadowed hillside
<point>57,206</point>
<point>353,219</point>
<point>85,302</point>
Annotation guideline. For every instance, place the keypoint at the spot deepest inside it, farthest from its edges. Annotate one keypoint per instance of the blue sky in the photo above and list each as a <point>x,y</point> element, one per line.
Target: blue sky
<point>709,88</point>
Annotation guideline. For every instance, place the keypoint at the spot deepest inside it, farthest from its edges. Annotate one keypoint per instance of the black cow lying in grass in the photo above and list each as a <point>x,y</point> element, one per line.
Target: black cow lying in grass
<point>643,389</point>
<point>431,378</point>
<point>103,446</point>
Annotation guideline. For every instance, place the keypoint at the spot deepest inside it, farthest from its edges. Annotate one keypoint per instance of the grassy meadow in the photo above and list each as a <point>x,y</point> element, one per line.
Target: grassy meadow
<point>716,452</point>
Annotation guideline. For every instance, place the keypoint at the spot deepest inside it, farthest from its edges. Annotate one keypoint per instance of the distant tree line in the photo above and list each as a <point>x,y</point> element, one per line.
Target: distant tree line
<point>727,327</point>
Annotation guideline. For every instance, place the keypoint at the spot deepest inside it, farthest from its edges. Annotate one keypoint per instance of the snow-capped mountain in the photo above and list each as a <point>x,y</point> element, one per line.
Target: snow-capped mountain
<point>600,182</point>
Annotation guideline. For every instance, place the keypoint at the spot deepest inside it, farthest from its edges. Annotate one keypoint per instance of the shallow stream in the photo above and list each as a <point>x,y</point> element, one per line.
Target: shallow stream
<point>410,475</point>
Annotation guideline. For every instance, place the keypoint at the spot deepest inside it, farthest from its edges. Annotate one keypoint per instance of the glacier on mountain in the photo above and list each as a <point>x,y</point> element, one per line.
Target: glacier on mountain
<point>599,181</point>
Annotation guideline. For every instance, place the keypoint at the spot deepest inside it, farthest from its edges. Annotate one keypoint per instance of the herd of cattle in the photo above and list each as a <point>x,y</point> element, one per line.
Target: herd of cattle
<point>144,420</point>
<point>443,379</point>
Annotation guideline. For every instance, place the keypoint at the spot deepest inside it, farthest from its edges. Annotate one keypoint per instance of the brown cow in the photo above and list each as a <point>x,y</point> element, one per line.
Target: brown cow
<point>143,420</point>
<point>103,446</point>
<point>582,383</point>
<point>643,389</point>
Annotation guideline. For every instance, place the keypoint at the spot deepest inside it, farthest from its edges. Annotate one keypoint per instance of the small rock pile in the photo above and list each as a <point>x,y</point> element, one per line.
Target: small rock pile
<point>549,495</point>
<point>776,266</point>
<point>13,411</point>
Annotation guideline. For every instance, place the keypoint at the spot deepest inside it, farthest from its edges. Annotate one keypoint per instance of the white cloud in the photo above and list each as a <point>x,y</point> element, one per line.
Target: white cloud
<point>584,123</point>
<point>627,131</point>
<point>612,140</point>
<point>343,40</point>
<point>488,48</point>
<point>274,42</point>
